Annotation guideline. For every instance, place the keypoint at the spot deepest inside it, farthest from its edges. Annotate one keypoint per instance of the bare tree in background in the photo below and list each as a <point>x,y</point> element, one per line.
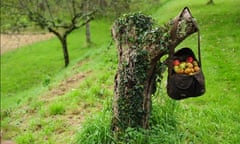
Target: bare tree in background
<point>60,17</point>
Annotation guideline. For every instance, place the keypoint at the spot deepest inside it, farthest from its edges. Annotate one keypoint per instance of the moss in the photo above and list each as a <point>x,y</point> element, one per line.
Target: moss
<point>135,34</point>
<point>131,28</point>
<point>131,89</point>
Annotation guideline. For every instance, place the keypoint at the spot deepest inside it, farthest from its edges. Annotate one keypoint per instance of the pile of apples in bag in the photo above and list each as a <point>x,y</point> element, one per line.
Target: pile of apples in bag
<point>189,66</point>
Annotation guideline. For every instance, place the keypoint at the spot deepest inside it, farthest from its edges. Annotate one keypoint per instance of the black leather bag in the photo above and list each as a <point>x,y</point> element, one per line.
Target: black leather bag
<point>181,86</point>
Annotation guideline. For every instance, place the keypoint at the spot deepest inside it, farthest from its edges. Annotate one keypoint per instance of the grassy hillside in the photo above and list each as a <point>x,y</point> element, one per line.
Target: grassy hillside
<point>35,86</point>
<point>43,102</point>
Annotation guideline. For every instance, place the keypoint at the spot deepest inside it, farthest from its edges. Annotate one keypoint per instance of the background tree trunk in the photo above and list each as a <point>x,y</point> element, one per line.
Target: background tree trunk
<point>63,40</point>
<point>140,47</point>
<point>88,34</point>
<point>65,51</point>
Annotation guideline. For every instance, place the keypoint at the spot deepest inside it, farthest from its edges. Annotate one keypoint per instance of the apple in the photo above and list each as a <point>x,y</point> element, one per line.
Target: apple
<point>196,68</point>
<point>182,65</point>
<point>176,62</point>
<point>189,59</point>
<point>195,63</point>
<point>189,65</point>
<point>192,70</point>
<point>187,70</point>
<point>178,70</point>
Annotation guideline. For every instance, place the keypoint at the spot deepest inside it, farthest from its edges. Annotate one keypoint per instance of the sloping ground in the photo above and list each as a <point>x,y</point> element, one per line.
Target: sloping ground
<point>51,109</point>
<point>65,86</point>
<point>51,114</point>
<point>54,116</point>
<point>12,41</point>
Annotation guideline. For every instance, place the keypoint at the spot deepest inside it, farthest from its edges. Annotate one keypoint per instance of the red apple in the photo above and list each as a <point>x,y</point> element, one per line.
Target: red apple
<point>189,59</point>
<point>176,62</point>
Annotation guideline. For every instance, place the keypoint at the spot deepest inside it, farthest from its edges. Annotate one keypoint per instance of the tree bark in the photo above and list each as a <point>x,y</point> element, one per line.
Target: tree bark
<point>140,48</point>
<point>65,51</point>
<point>88,34</point>
<point>63,40</point>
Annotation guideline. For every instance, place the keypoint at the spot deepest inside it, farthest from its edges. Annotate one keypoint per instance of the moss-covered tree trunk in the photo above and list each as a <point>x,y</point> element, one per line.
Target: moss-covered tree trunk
<point>140,48</point>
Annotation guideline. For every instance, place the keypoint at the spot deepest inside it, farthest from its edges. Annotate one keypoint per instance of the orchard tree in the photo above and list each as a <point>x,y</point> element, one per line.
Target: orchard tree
<point>60,17</point>
<point>140,49</point>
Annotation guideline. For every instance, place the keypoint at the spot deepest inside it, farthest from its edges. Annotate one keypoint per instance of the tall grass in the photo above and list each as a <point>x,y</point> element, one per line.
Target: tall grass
<point>97,129</point>
<point>163,126</point>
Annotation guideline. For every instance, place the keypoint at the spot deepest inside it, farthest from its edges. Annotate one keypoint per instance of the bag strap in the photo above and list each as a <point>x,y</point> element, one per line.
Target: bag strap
<point>199,43</point>
<point>199,49</point>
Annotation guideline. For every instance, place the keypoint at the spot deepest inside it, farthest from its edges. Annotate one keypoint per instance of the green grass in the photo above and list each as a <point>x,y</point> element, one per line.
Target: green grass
<point>83,113</point>
<point>32,67</point>
<point>57,108</point>
<point>43,68</point>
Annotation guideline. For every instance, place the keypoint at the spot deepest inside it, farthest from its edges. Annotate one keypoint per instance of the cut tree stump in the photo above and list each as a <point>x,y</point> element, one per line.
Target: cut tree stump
<point>140,48</point>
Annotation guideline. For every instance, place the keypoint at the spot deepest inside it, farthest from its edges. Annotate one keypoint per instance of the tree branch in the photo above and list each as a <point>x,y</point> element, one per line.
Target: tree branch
<point>183,26</point>
<point>55,32</point>
<point>49,11</point>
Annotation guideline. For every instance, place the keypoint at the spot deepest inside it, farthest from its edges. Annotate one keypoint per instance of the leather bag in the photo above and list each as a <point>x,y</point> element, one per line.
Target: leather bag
<point>181,86</point>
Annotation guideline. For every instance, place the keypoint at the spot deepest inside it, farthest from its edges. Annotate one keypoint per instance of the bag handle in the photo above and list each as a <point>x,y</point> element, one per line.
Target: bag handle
<point>171,50</point>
